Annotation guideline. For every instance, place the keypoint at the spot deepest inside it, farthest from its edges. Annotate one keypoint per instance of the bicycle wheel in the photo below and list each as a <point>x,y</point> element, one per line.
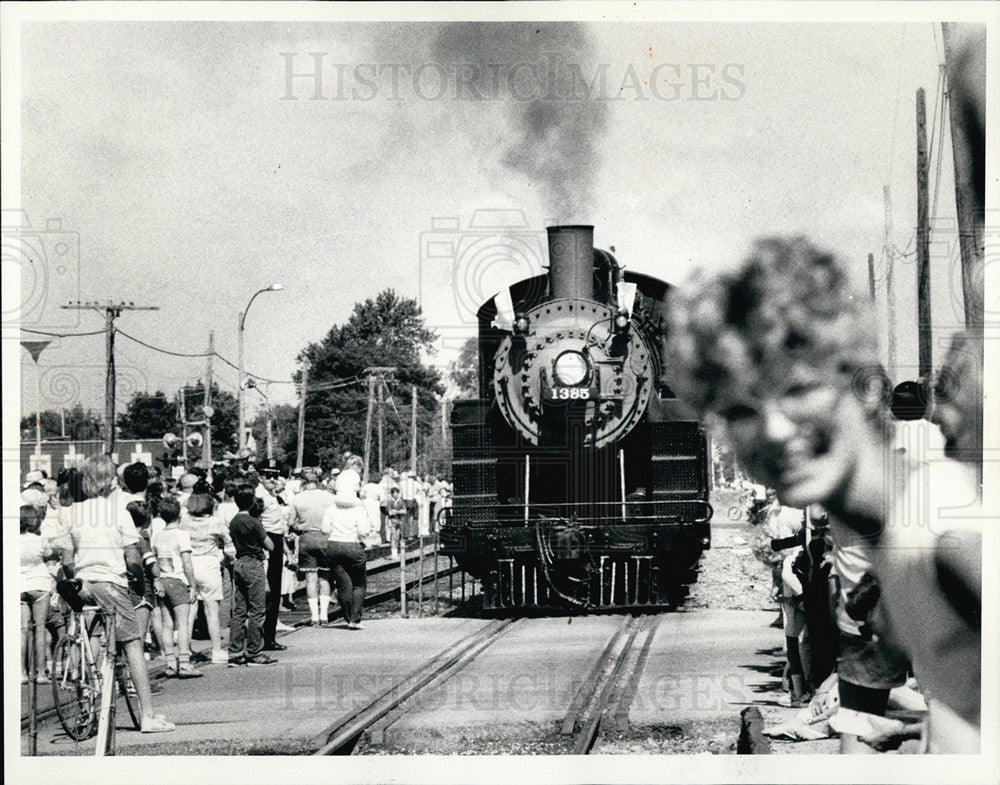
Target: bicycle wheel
<point>131,701</point>
<point>76,689</point>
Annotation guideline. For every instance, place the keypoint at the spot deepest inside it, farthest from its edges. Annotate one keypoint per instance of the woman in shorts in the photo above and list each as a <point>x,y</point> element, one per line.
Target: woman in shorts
<point>209,538</point>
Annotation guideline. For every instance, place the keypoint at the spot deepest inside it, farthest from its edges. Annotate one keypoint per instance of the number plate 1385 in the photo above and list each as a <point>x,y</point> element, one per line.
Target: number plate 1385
<point>569,393</point>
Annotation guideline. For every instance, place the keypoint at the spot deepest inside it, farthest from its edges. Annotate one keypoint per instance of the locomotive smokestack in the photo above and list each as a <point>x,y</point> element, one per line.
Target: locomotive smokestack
<point>571,262</point>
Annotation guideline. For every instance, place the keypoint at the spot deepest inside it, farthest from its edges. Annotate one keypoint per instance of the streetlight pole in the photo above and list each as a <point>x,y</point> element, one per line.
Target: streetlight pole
<point>242,437</point>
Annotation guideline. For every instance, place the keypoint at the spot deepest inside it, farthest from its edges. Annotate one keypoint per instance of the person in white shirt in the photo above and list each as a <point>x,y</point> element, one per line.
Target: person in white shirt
<point>308,508</point>
<point>102,534</point>
<point>36,586</point>
<point>274,518</point>
<point>172,547</point>
<point>346,528</point>
<point>371,493</point>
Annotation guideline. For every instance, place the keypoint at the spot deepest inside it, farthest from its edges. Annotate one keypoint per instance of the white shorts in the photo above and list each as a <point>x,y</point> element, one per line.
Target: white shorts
<point>207,577</point>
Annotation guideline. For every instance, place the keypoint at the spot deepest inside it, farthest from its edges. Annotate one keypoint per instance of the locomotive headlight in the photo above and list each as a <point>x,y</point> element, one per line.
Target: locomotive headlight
<point>621,323</point>
<point>571,368</point>
<point>521,325</point>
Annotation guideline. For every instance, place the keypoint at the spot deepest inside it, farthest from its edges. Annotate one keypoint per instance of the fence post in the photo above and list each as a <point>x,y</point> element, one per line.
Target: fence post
<point>106,720</point>
<point>32,685</point>
<point>402,575</point>
<point>420,579</point>
<point>437,593</point>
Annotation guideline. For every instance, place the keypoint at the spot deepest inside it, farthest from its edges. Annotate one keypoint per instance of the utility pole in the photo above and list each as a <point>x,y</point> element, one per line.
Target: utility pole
<point>376,382</point>
<point>413,429</point>
<point>270,445</point>
<point>300,450</point>
<point>871,276</point>
<point>890,295</point>
<point>381,427</point>
<point>206,446</point>
<point>111,312</point>
<point>923,243</point>
<point>182,410</point>
<point>970,216</point>
<point>368,426</point>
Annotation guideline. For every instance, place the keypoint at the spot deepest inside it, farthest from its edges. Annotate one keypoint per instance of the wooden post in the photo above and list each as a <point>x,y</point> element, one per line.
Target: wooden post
<point>300,448</point>
<point>420,579</point>
<point>402,574</point>
<point>184,429</point>
<point>109,381</point>
<point>33,686</point>
<point>368,426</point>
<point>970,216</point>
<point>923,243</point>
<point>413,429</point>
<point>890,295</point>
<point>206,446</point>
<point>871,276</point>
<point>381,427</point>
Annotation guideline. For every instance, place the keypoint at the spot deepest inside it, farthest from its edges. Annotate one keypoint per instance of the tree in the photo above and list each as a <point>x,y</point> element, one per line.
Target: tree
<point>81,424</point>
<point>387,331</point>
<point>284,432</point>
<point>148,416</point>
<point>151,415</point>
<point>464,370</point>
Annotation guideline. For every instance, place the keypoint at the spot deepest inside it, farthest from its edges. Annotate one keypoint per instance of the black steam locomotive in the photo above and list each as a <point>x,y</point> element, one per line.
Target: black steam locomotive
<point>579,480</point>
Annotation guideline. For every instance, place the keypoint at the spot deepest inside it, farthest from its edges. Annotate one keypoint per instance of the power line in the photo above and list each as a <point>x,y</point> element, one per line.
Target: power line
<point>61,335</point>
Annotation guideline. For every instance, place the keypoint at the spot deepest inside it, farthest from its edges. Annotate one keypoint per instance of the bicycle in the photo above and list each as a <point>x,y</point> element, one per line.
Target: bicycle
<point>79,672</point>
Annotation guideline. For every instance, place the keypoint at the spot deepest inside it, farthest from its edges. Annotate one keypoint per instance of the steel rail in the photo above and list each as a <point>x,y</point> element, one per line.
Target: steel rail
<point>343,735</point>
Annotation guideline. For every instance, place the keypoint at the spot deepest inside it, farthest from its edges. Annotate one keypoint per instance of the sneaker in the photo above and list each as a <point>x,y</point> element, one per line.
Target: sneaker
<point>220,657</point>
<point>187,671</point>
<point>156,724</point>
<point>171,670</point>
<point>260,659</point>
<point>275,646</point>
<point>237,661</point>
<point>355,626</point>
<point>282,627</point>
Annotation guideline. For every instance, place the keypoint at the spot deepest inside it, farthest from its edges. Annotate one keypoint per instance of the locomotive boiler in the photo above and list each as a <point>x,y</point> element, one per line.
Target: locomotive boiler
<point>579,480</point>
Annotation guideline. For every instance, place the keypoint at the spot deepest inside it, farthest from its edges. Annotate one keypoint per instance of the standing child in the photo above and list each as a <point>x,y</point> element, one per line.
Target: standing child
<point>172,546</point>
<point>36,587</point>
<point>246,640</point>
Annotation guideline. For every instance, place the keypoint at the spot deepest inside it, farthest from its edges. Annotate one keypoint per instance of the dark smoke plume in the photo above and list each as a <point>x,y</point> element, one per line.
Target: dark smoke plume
<point>554,126</point>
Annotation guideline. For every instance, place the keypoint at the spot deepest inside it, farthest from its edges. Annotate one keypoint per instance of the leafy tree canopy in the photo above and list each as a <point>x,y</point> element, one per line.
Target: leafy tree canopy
<point>387,331</point>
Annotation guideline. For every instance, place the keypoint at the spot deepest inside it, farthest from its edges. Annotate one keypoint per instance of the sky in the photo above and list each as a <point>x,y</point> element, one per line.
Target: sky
<point>176,164</point>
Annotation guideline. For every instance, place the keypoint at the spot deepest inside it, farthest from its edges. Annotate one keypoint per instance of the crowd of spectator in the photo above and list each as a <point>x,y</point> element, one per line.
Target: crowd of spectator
<point>151,549</point>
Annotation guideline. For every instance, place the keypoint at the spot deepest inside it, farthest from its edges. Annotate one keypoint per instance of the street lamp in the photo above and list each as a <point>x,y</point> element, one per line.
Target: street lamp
<point>275,287</point>
<point>35,348</point>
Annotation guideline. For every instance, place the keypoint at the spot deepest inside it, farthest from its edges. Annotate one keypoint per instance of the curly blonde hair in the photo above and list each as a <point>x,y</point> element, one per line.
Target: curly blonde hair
<point>740,333</point>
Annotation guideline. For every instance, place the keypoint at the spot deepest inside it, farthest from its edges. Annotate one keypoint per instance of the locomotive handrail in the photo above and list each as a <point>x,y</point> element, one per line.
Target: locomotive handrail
<point>567,511</point>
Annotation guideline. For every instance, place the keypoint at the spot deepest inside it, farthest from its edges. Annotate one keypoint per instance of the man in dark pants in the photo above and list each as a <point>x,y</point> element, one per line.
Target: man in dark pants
<point>245,638</point>
<point>274,519</point>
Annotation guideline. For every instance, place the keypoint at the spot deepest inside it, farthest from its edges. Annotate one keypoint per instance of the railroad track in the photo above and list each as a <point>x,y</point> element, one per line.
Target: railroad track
<point>602,702</point>
<point>373,718</point>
